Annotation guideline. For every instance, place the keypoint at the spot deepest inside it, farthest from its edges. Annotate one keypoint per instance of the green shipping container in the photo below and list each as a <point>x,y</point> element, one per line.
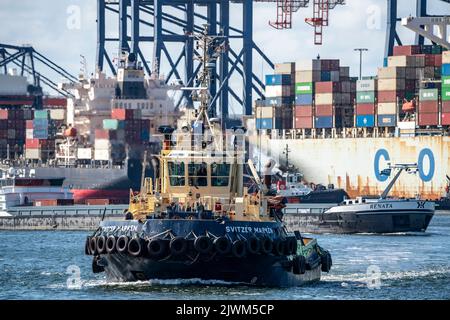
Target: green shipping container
<point>41,114</point>
<point>446,82</point>
<point>428,94</point>
<point>113,124</point>
<point>365,97</point>
<point>304,87</point>
<point>445,93</point>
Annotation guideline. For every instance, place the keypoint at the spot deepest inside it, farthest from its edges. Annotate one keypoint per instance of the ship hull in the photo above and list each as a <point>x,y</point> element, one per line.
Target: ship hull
<point>354,164</point>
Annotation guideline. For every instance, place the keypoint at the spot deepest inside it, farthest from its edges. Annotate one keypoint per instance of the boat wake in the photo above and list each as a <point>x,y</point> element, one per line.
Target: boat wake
<point>159,282</point>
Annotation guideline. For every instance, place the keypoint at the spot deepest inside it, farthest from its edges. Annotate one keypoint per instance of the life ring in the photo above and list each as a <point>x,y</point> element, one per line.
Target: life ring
<point>253,245</point>
<point>326,262</point>
<point>157,248</point>
<point>178,246</point>
<point>239,248</point>
<point>299,265</point>
<point>135,247</point>
<point>122,244</point>
<point>222,245</point>
<point>93,245</point>
<point>87,250</point>
<point>266,245</point>
<point>278,247</point>
<point>203,244</point>
<point>111,244</point>
<point>101,242</point>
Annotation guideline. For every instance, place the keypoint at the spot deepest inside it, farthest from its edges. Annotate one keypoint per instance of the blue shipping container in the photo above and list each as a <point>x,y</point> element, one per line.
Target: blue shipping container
<point>387,120</point>
<point>40,124</point>
<point>278,101</point>
<point>265,123</point>
<point>446,69</point>
<point>278,79</point>
<point>304,99</point>
<point>365,121</point>
<point>325,76</point>
<point>324,122</point>
<point>40,134</point>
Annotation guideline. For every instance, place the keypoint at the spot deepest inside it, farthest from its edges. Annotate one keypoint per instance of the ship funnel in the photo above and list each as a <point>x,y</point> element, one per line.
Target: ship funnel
<point>167,131</point>
<point>268,172</point>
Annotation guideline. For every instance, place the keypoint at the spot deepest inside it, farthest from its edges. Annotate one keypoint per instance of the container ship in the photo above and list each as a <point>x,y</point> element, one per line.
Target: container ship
<point>346,130</point>
<point>94,140</point>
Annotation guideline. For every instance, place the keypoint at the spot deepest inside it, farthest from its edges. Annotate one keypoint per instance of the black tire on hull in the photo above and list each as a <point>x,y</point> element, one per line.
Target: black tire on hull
<point>326,262</point>
<point>291,245</point>
<point>101,244</point>
<point>157,248</point>
<point>111,244</point>
<point>87,250</point>
<point>253,245</point>
<point>239,248</point>
<point>178,246</point>
<point>203,244</point>
<point>278,247</point>
<point>93,245</point>
<point>266,245</point>
<point>222,245</point>
<point>135,247</point>
<point>299,265</point>
<point>122,244</point>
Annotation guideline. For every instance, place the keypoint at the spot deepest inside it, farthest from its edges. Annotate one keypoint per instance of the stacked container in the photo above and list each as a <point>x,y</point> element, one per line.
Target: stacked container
<point>304,92</point>
<point>428,114</point>
<point>445,88</point>
<point>327,99</point>
<point>40,136</point>
<point>365,102</point>
<point>12,130</point>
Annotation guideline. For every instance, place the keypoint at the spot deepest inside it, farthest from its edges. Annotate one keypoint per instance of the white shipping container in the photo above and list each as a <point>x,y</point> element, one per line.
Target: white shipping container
<point>29,134</point>
<point>446,57</point>
<point>407,125</point>
<point>308,65</point>
<point>325,98</point>
<point>84,153</point>
<point>391,84</point>
<point>284,68</point>
<point>264,112</point>
<point>401,61</point>
<point>13,85</point>
<point>101,154</point>
<point>57,114</point>
<point>32,153</point>
<point>278,91</point>
<point>104,144</point>
<point>307,76</point>
<point>387,108</point>
<point>391,72</point>
<point>366,85</point>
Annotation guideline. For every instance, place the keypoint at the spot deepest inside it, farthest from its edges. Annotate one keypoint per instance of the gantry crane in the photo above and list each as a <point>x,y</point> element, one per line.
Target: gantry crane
<point>320,18</point>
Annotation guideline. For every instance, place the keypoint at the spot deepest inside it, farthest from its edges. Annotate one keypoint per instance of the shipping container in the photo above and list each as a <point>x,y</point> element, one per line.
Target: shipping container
<point>387,120</point>
<point>264,123</point>
<point>366,85</point>
<point>325,76</point>
<point>428,119</point>
<point>32,143</point>
<point>446,57</point>
<point>278,101</point>
<point>113,124</point>
<point>304,111</point>
<point>304,88</point>
<point>445,69</point>
<point>406,50</point>
<point>102,144</point>
<point>428,94</point>
<point>428,107</point>
<point>57,114</point>
<point>123,114</point>
<point>323,122</point>
<point>264,112</point>
<point>29,133</point>
<point>410,73</point>
<point>40,114</point>
<point>365,121</point>
<point>303,99</point>
<point>390,96</point>
<point>445,118</point>
<point>365,97</point>
<point>446,94</point>
<point>327,98</point>
<point>278,80</point>
<point>308,65</point>
<point>387,108</point>
<point>324,111</point>
<point>446,81</point>
<point>344,72</point>
<point>285,68</point>
<point>278,91</point>
<point>307,76</point>
<point>445,106</point>
<point>365,108</point>
<point>97,202</point>
<point>3,114</point>
<point>105,134</point>
<point>102,154</point>
<point>84,153</point>
<point>40,133</point>
<point>402,61</point>
<point>391,73</point>
<point>304,122</point>
<point>327,87</point>
<point>34,154</point>
<point>391,84</point>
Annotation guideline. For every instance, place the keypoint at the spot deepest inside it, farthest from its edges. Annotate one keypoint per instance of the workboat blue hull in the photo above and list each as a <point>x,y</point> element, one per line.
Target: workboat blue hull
<point>258,253</point>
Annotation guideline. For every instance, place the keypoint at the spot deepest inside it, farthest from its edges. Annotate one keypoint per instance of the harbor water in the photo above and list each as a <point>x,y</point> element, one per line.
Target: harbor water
<point>52,265</point>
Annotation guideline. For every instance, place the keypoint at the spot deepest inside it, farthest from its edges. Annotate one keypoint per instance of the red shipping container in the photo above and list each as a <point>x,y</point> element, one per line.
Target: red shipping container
<point>303,122</point>
<point>430,59</point>
<point>97,202</point>
<point>445,106</point>
<point>105,134</point>
<point>428,107</point>
<point>406,50</point>
<point>327,87</point>
<point>303,111</point>
<point>32,143</point>
<point>365,108</point>
<point>445,119</point>
<point>122,114</point>
<point>324,110</point>
<point>3,114</point>
<point>29,124</point>
<point>428,119</point>
<point>438,60</point>
<point>390,96</point>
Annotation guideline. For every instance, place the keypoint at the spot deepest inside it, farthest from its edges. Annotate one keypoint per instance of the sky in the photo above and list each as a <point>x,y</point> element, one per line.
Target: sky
<point>65,29</point>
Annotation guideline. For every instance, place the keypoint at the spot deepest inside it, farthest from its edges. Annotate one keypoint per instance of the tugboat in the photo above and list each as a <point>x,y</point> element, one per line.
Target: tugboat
<point>194,219</point>
<point>369,215</point>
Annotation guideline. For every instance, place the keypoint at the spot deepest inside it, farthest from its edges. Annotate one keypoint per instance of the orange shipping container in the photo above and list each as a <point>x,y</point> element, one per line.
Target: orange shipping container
<point>324,111</point>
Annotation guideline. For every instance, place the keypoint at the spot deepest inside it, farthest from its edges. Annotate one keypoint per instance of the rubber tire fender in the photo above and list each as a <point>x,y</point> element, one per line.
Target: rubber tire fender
<point>278,248</point>
<point>178,246</point>
<point>266,245</point>
<point>101,244</point>
<point>326,262</point>
<point>239,248</point>
<point>253,245</point>
<point>87,250</point>
<point>157,248</point>
<point>203,244</point>
<point>111,244</point>
<point>135,247</point>
<point>122,244</point>
<point>222,245</point>
<point>93,245</point>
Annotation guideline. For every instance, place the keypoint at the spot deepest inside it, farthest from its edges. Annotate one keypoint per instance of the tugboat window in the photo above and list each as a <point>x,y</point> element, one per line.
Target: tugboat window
<point>220,174</point>
<point>176,174</point>
<point>198,174</point>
